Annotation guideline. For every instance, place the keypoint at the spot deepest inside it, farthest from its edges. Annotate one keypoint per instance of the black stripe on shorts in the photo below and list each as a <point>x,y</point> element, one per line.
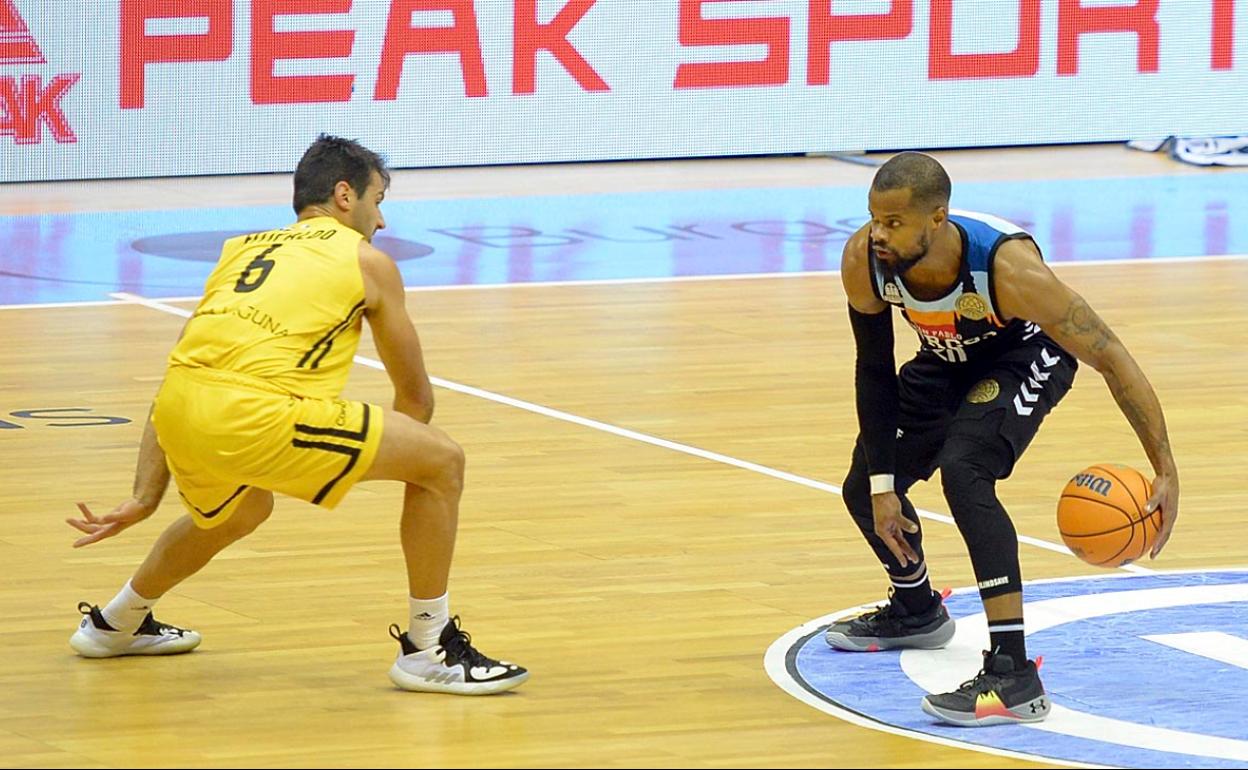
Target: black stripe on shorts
<point>218,509</point>
<point>360,435</point>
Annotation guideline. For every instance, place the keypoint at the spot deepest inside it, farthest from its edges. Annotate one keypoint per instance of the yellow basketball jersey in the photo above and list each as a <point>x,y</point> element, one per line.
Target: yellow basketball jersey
<point>284,306</point>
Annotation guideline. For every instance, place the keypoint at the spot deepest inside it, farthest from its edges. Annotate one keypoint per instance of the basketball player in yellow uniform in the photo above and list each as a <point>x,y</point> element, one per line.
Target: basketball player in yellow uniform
<point>250,406</point>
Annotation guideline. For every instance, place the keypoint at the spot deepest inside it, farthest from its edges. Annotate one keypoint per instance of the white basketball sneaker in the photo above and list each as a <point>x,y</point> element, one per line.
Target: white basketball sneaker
<point>95,638</point>
<point>452,665</point>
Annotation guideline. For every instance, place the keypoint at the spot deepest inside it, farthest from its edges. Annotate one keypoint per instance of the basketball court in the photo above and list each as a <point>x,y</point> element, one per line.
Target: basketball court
<point>650,368</point>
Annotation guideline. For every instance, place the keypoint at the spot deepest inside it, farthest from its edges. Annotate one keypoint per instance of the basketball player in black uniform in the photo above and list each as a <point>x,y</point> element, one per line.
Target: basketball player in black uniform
<point>999,334</point>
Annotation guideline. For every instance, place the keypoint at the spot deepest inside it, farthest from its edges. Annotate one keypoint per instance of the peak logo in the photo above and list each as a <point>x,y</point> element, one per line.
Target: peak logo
<point>17,45</point>
<point>26,105</point>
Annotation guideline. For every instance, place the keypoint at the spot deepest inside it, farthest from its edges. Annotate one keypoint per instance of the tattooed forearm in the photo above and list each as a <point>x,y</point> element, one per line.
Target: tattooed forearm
<point>1082,332</point>
<point>1138,417</point>
<point>1082,321</point>
<point>1140,406</point>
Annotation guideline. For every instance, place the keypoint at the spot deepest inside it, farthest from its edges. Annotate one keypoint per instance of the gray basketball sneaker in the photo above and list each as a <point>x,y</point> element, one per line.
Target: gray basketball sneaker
<point>999,694</point>
<point>891,627</point>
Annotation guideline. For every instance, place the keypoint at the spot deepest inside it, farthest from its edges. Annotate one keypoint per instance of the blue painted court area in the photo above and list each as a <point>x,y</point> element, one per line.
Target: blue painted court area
<point>77,257</point>
<point>1132,662</point>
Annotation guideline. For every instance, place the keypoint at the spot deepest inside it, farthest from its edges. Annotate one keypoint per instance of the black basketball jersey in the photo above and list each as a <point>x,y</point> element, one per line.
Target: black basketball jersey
<point>964,325</point>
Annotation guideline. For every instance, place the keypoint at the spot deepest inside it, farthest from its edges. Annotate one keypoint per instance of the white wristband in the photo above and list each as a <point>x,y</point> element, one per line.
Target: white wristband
<point>881,483</point>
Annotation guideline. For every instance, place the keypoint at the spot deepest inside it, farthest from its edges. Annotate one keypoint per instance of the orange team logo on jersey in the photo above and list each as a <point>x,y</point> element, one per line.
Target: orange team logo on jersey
<point>934,323</point>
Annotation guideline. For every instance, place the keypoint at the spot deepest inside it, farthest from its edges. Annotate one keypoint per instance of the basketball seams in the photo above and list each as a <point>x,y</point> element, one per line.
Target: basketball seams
<point>1116,559</point>
<point>1130,521</point>
<point>1145,540</point>
<point>1155,518</point>
<point>1092,547</point>
<point>1127,486</point>
<point>1145,516</point>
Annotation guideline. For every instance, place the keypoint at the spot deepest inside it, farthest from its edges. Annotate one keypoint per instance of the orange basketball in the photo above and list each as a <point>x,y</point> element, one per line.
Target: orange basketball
<point>1101,515</point>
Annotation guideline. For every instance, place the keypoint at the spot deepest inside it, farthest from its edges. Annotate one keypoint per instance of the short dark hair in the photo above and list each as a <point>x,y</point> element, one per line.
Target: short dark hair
<point>921,174</point>
<point>330,160</point>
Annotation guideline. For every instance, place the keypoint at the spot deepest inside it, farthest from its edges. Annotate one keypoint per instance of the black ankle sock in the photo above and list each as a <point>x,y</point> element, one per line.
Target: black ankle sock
<point>917,600</point>
<point>1006,638</point>
<point>914,592</point>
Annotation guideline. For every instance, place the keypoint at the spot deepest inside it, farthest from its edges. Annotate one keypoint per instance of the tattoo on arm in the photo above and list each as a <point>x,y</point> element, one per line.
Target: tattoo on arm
<point>1082,321</point>
<point>1136,416</point>
<point>1142,411</point>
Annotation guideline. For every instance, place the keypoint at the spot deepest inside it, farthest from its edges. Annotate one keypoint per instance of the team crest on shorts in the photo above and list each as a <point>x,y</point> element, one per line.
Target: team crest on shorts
<point>971,305</point>
<point>983,392</point>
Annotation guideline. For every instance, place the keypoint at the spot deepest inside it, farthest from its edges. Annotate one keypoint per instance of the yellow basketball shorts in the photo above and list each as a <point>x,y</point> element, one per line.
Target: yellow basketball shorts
<point>224,433</point>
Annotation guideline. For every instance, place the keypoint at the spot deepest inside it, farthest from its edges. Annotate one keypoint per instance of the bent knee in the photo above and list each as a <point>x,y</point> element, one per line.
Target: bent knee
<point>447,463</point>
<point>955,471</point>
<point>435,462</point>
<point>963,481</point>
<point>253,512</point>
<point>856,482</point>
<point>967,461</point>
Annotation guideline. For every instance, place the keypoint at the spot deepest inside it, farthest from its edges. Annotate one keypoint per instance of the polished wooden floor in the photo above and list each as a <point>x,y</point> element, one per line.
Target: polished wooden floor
<point>641,585</point>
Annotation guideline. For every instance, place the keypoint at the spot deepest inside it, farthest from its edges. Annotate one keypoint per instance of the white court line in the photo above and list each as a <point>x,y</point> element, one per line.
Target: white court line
<point>644,438</point>
<point>660,279</point>
<point>775,662</point>
<point>126,298</point>
<point>38,305</point>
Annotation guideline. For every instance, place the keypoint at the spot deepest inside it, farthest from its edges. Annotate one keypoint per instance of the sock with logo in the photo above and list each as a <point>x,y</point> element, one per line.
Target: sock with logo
<point>1005,637</point>
<point>127,609</point>
<point>429,617</point>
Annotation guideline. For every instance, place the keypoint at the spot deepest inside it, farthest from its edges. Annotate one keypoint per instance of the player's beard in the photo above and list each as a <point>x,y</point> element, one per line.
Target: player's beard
<point>902,264</point>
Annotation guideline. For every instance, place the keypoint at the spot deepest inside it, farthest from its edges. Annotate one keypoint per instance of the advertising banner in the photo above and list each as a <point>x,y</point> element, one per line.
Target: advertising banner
<point>127,88</point>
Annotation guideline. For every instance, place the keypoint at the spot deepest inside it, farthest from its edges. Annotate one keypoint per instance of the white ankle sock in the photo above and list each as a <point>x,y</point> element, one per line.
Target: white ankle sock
<point>127,609</point>
<point>429,617</point>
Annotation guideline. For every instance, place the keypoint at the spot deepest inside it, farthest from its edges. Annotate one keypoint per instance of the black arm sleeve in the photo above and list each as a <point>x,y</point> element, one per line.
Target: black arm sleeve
<point>875,385</point>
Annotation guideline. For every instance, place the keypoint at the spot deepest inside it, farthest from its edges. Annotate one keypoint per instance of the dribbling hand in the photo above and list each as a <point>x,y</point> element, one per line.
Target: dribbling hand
<point>1166,498</point>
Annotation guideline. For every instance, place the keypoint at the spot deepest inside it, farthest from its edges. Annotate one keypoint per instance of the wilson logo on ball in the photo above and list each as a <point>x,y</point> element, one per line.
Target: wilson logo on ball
<point>1097,484</point>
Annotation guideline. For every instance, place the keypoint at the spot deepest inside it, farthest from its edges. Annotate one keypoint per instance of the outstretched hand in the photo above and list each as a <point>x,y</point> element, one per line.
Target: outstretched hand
<point>97,528</point>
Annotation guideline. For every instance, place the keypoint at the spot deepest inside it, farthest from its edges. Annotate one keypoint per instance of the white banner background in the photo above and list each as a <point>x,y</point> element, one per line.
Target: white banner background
<point>201,117</point>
